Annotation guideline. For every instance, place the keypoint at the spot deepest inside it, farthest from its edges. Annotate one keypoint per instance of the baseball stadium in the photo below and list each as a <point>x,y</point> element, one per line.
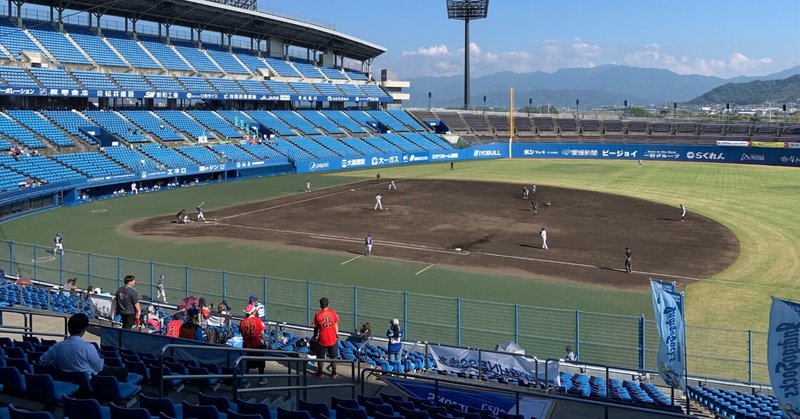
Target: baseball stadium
<point>277,145</point>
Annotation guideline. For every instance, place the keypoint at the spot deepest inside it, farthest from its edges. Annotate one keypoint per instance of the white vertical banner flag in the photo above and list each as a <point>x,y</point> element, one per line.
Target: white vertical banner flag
<point>783,355</point>
<point>668,311</point>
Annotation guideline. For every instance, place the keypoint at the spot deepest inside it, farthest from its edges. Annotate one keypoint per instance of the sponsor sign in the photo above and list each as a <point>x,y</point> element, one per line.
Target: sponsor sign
<point>665,154</point>
<point>733,143</point>
<point>668,311</point>
<point>752,157</point>
<point>357,162</point>
<point>463,397</point>
<point>767,144</point>
<point>507,365</point>
<point>783,347</point>
<point>697,155</point>
<point>445,156</point>
<point>792,145</point>
<point>384,160</point>
<point>314,166</point>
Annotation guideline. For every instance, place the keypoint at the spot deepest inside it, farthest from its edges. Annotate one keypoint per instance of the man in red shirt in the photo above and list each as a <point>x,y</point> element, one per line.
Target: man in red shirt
<point>174,326</point>
<point>326,333</point>
<point>252,329</point>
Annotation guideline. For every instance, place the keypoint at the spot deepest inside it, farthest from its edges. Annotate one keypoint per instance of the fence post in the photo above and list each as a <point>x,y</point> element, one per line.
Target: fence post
<point>458,321</point>
<point>61,271</point>
<point>355,308</point>
<point>89,268</point>
<point>186,274</point>
<point>308,302</point>
<point>152,273</point>
<point>641,343</point>
<point>224,285</point>
<point>516,324</point>
<point>578,334</point>
<point>266,294</point>
<point>36,263</point>
<point>11,258</point>
<point>750,356</point>
<point>405,312</point>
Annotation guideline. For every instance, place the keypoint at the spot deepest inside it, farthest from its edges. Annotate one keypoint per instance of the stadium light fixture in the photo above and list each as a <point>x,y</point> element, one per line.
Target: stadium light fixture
<point>577,108</point>
<point>429,100</point>
<point>530,105</point>
<point>484,104</point>
<point>467,10</point>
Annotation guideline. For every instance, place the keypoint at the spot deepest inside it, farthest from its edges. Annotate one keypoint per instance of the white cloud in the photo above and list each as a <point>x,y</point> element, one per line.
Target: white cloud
<point>734,64</point>
<point>432,51</point>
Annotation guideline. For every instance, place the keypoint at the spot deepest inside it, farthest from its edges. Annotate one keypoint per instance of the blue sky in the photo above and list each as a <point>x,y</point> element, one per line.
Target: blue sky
<point>709,37</point>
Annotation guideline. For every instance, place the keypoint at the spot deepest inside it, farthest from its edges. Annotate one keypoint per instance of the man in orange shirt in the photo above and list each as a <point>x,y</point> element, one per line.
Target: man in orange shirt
<point>326,333</point>
<point>174,326</point>
<point>252,329</point>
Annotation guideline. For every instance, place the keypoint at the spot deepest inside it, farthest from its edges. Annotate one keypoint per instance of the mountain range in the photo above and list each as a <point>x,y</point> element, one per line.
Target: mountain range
<point>605,85</point>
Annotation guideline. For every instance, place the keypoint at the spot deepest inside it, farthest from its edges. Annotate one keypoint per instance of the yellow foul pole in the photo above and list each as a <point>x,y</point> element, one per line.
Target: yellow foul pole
<point>511,120</point>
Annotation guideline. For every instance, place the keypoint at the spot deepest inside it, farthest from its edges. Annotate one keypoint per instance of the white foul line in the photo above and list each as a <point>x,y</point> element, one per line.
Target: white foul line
<point>350,260</point>
<point>430,266</point>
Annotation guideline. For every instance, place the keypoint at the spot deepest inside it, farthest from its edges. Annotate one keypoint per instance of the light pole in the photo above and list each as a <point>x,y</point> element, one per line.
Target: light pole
<point>429,100</point>
<point>530,105</point>
<point>484,105</point>
<point>625,109</point>
<point>674,110</point>
<point>467,10</point>
<point>577,108</point>
<point>784,115</point>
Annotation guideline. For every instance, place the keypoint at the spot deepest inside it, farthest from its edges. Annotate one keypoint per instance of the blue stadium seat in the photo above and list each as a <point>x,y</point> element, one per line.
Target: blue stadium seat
<point>93,44</point>
<point>131,159</point>
<point>271,121</point>
<point>333,73</point>
<point>85,408</point>
<point>184,123</point>
<point>15,40</point>
<point>215,123</point>
<point>16,413</point>
<point>233,153</point>
<point>344,121</point>
<point>92,164</point>
<point>251,60</point>
<point>198,58</point>
<point>130,49</point>
<point>150,123</point>
<point>56,43</point>
<point>226,60</point>
<point>320,121</point>
<point>201,154</point>
<point>164,53</point>
<point>308,70</point>
<point>115,124</point>
<point>36,123</point>
<point>13,130</point>
<point>282,68</point>
<point>296,121</point>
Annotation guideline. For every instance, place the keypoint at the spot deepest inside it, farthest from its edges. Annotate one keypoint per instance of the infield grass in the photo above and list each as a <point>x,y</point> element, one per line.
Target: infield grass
<point>759,204</point>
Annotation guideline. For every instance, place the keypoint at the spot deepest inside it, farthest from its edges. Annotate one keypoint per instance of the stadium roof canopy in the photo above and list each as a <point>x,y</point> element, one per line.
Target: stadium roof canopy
<point>217,17</point>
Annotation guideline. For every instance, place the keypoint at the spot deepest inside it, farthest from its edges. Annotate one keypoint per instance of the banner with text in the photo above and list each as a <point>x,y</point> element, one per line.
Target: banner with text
<point>662,152</point>
<point>466,361</point>
<point>783,355</point>
<point>668,312</point>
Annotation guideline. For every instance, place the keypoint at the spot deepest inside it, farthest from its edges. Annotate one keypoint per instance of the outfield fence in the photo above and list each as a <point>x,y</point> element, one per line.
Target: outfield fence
<point>625,341</point>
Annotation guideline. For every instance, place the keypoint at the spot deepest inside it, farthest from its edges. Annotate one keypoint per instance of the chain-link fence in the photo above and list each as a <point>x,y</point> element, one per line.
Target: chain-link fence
<point>625,341</point>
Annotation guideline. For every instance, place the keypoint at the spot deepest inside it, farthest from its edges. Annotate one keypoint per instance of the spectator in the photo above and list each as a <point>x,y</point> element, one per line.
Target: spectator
<point>191,329</point>
<point>205,312</point>
<point>174,326</point>
<point>252,329</point>
<point>221,309</point>
<point>261,310</point>
<point>74,354</point>
<point>153,319</point>
<point>365,333</point>
<point>570,356</point>
<point>395,335</point>
<point>128,303</point>
<point>326,335</point>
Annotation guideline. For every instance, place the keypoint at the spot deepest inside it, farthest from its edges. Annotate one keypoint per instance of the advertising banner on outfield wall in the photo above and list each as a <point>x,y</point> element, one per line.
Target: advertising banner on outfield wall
<point>783,347</point>
<point>666,152</point>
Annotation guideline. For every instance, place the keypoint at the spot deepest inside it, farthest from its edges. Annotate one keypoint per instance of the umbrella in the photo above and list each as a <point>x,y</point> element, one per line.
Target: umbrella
<point>188,302</point>
<point>24,281</point>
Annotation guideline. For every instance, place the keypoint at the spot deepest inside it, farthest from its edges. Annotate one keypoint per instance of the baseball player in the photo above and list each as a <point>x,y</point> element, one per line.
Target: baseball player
<point>181,216</point>
<point>308,186</point>
<point>161,294</point>
<point>533,189</point>
<point>392,185</point>
<point>200,216</point>
<point>639,163</point>
<point>378,205</point>
<point>534,206</point>
<point>368,245</point>
<point>628,255</point>
<point>134,189</point>
<point>59,244</point>
<point>683,212</point>
<point>524,192</point>
<point>543,233</point>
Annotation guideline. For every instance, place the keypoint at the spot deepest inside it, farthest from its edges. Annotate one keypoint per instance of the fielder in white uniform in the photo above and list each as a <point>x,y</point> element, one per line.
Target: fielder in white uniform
<point>59,244</point>
<point>368,245</point>
<point>378,205</point>
<point>308,186</point>
<point>392,185</point>
<point>543,233</point>
<point>683,212</point>
<point>161,293</point>
<point>134,189</point>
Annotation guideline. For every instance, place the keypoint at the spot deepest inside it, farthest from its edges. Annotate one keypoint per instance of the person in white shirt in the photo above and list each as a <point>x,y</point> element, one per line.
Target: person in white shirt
<point>543,233</point>
<point>378,205</point>
<point>74,354</point>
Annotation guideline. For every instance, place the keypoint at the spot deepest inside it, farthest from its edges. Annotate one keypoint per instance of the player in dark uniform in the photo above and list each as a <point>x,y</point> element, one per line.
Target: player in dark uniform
<point>628,255</point>
<point>534,206</point>
<point>181,216</point>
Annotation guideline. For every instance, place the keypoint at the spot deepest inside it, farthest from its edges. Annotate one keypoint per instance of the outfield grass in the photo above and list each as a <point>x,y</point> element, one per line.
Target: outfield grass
<point>759,204</point>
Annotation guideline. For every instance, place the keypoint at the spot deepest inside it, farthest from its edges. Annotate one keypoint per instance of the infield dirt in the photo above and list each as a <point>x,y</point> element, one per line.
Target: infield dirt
<point>426,220</point>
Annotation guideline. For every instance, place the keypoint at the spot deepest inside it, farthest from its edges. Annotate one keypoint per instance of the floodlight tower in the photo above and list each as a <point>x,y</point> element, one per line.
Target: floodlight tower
<point>467,10</point>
